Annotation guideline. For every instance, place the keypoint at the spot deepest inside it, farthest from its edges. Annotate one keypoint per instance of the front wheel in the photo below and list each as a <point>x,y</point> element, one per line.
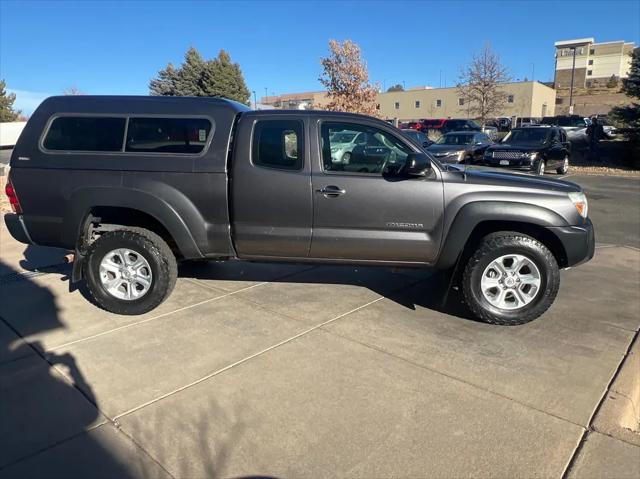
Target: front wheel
<point>540,168</point>
<point>130,271</point>
<point>510,279</point>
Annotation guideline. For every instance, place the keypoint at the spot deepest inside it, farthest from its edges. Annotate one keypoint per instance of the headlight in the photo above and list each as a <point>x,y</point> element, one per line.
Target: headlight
<point>460,156</point>
<point>579,200</point>
<point>532,156</point>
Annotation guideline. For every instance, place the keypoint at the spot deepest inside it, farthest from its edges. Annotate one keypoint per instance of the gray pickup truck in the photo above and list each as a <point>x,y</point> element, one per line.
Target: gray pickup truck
<point>136,184</point>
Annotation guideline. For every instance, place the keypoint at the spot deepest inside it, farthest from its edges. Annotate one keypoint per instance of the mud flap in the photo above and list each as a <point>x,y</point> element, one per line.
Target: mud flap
<point>77,273</point>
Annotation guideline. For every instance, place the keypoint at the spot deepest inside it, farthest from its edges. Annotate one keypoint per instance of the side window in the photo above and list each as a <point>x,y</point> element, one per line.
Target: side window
<point>82,133</point>
<point>167,135</point>
<point>380,150</point>
<point>278,144</point>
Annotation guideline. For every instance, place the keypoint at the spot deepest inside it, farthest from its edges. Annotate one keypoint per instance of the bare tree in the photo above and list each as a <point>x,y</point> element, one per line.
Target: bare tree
<point>480,84</point>
<point>72,91</point>
<point>346,79</point>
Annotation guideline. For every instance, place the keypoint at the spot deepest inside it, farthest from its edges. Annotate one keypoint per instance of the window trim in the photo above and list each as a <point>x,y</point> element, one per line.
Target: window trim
<point>365,125</point>
<point>127,117</point>
<point>273,168</point>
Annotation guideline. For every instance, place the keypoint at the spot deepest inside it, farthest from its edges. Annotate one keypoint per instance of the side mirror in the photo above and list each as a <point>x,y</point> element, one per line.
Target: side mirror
<point>417,164</point>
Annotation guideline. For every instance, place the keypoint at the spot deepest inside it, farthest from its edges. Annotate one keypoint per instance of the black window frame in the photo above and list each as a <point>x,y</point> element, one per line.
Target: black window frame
<point>122,152</point>
<point>300,141</point>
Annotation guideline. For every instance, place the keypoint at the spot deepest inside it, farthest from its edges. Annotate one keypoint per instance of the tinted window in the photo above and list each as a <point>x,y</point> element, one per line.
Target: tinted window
<point>278,144</point>
<point>167,135</point>
<point>377,151</point>
<point>455,139</point>
<point>527,136</point>
<point>71,133</point>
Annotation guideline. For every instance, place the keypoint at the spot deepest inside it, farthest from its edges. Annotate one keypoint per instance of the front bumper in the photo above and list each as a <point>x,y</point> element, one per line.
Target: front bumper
<point>519,164</point>
<point>17,229</point>
<point>579,242</point>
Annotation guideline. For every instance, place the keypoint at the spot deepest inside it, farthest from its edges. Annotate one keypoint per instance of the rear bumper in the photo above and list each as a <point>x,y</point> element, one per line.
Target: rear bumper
<point>17,229</point>
<point>579,242</point>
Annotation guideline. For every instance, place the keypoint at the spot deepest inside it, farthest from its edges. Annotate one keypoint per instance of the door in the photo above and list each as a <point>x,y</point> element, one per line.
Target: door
<point>271,202</point>
<point>361,210</point>
<point>556,150</point>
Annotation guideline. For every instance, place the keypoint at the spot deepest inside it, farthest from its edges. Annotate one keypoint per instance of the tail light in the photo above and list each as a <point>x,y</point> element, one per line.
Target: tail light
<point>13,197</point>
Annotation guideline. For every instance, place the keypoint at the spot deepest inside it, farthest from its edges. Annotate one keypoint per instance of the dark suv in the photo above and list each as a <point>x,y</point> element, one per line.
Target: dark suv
<point>535,149</point>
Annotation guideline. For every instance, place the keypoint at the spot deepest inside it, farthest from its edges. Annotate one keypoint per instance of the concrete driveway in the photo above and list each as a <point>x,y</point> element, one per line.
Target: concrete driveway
<point>300,371</point>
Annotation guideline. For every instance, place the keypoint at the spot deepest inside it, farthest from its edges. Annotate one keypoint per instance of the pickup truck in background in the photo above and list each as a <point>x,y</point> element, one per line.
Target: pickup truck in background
<point>136,184</point>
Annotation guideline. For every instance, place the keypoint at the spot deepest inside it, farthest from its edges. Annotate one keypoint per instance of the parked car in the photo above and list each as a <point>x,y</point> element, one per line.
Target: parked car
<point>461,147</point>
<point>534,148</point>
<point>414,125</point>
<point>343,144</point>
<point>609,130</point>
<point>503,123</point>
<point>491,131</point>
<point>574,125</point>
<point>419,137</point>
<point>135,184</point>
<point>527,121</point>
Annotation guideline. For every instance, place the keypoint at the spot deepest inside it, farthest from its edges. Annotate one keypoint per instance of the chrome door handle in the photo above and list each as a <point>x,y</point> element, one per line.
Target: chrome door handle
<point>331,191</point>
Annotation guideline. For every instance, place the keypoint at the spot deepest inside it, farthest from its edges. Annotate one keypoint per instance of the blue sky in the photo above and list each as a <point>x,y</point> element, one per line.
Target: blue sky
<point>116,47</point>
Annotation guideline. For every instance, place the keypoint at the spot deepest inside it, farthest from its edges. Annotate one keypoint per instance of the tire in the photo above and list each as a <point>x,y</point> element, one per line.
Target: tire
<point>494,247</point>
<point>565,166</point>
<point>160,270</point>
<point>540,167</point>
<point>346,158</point>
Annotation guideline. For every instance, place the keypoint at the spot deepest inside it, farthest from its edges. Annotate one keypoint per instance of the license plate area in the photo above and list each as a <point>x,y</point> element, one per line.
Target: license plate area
<point>504,162</point>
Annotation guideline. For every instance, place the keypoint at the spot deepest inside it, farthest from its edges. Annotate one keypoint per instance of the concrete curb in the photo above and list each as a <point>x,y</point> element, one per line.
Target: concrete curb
<point>619,415</point>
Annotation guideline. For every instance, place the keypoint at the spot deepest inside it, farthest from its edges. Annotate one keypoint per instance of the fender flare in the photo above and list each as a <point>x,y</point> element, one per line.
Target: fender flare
<point>473,214</point>
<point>82,200</point>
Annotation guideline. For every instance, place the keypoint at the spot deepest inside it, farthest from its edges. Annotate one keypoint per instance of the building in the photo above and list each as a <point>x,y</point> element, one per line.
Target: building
<point>296,101</point>
<point>595,63</point>
<point>524,99</point>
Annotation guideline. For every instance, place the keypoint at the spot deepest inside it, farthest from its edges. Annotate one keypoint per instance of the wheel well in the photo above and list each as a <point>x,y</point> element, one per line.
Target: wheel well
<point>538,232</point>
<point>99,216</point>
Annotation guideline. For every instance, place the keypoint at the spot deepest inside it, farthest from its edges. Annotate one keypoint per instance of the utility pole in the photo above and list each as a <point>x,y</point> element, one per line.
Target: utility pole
<point>533,72</point>
<point>440,84</point>
<point>255,100</point>
<point>266,95</point>
<point>573,69</point>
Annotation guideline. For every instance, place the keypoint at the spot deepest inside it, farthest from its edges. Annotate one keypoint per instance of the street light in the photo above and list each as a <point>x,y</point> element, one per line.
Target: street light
<point>573,69</point>
<point>255,100</point>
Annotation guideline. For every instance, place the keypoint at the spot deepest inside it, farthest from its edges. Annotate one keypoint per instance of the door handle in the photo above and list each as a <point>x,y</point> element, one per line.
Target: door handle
<point>331,191</point>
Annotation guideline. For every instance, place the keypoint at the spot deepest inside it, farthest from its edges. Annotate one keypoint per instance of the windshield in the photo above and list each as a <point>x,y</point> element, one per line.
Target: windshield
<point>527,136</point>
<point>455,139</point>
<point>343,137</point>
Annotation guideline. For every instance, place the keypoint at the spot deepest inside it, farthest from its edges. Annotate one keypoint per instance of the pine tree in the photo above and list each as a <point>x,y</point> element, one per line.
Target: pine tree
<point>7,113</point>
<point>220,78</point>
<point>629,115</point>
<point>190,79</point>
<point>224,79</point>
<point>165,83</point>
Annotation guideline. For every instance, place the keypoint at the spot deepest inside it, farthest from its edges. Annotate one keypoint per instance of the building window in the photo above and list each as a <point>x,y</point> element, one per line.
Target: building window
<point>589,72</point>
<point>460,101</point>
<point>558,101</point>
<point>590,62</point>
<point>397,105</point>
<point>438,103</point>
<point>592,51</point>
<point>84,133</point>
<point>580,51</point>
<point>510,99</point>
<point>417,104</point>
<point>276,144</point>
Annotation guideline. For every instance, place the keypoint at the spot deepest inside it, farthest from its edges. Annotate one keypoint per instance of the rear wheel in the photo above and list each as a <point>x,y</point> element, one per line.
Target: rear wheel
<point>130,271</point>
<point>565,166</point>
<point>511,279</point>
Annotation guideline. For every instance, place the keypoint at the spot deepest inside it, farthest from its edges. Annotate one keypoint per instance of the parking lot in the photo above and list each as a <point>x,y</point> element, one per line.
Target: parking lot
<point>317,371</point>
